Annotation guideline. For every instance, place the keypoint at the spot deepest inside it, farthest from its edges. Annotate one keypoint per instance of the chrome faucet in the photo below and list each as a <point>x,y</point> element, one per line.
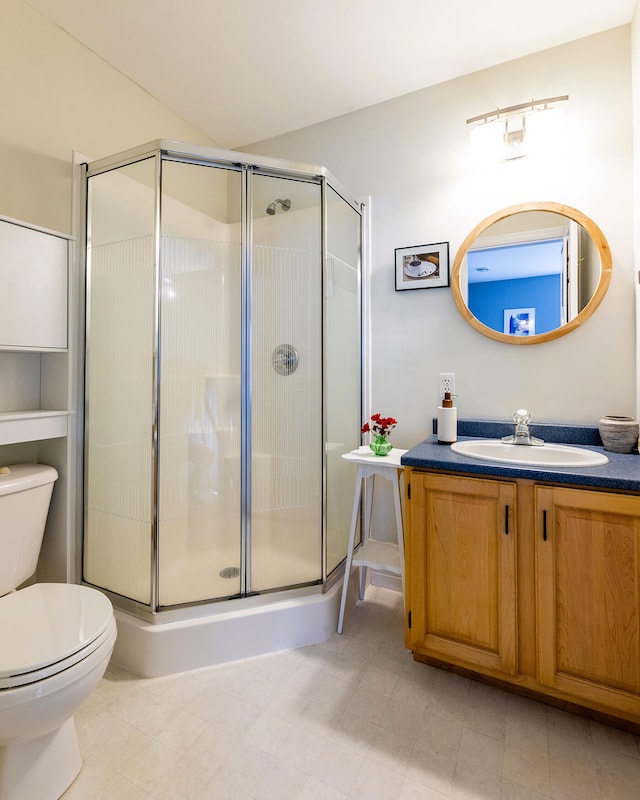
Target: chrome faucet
<point>521,435</point>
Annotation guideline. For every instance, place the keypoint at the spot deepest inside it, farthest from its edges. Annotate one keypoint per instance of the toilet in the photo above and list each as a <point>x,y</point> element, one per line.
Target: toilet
<point>56,640</point>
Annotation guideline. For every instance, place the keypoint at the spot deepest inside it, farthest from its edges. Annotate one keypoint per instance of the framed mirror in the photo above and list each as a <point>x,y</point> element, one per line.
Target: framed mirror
<point>531,273</point>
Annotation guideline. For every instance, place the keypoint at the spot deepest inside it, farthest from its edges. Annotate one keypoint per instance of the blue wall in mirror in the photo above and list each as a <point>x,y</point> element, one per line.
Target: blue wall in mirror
<point>488,301</point>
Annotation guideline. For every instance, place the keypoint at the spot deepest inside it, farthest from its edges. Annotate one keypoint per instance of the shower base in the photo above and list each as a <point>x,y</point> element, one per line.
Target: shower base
<point>229,631</point>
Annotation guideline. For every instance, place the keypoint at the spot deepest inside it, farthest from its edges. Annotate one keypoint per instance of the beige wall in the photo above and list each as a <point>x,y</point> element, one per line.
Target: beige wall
<point>411,156</point>
<point>56,96</point>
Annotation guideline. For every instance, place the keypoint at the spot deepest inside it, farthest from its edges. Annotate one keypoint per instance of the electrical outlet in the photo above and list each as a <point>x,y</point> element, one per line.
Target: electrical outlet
<point>446,383</point>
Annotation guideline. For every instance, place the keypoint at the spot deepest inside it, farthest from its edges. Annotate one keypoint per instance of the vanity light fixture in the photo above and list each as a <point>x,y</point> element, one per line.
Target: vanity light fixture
<point>515,131</point>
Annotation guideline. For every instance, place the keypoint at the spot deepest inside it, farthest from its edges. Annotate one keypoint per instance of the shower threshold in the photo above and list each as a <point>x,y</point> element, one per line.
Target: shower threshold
<point>229,631</point>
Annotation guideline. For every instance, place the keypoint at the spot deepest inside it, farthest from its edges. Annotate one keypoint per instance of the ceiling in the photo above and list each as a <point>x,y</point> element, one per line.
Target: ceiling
<point>246,70</point>
<point>527,260</point>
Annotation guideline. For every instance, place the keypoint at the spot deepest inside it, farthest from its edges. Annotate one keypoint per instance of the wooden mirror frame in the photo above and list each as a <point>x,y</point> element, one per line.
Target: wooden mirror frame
<point>603,284</point>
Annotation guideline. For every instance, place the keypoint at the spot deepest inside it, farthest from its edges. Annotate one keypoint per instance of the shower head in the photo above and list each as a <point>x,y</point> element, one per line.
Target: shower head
<point>271,208</point>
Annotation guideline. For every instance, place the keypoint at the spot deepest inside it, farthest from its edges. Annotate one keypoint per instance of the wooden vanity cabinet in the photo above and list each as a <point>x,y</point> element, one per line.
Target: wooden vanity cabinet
<point>588,595</point>
<point>463,570</point>
<point>529,584</point>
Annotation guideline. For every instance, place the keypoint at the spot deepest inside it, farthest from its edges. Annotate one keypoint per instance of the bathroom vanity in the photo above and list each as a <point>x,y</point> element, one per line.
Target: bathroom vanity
<point>527,576</point>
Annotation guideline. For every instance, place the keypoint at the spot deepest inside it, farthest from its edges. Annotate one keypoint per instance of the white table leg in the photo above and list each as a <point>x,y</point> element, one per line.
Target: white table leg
<point>352,538</point>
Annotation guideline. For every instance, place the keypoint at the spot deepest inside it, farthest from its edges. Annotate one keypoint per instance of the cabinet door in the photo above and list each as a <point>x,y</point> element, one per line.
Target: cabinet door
<point>588,599</point>
<point>33,276</point>
<point>463,571</point>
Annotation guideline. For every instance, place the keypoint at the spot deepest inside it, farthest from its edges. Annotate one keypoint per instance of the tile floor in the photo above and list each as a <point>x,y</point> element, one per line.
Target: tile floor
<point>355,717</point>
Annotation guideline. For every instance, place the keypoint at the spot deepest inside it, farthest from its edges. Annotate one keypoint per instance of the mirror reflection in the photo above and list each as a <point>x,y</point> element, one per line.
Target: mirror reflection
<point>531,272</point>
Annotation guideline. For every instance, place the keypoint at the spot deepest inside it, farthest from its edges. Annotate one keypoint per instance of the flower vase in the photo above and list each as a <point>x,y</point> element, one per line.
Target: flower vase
<point>381,447</point>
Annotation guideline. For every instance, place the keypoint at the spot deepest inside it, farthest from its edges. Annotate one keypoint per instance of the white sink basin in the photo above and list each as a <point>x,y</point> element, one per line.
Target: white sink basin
<point>546,455</point>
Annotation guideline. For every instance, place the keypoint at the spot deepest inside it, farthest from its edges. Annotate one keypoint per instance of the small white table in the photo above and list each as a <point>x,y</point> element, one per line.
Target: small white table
<point>387,556</point>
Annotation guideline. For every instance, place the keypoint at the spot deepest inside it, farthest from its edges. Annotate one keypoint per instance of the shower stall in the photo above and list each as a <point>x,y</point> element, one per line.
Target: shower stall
<point>223,375</point>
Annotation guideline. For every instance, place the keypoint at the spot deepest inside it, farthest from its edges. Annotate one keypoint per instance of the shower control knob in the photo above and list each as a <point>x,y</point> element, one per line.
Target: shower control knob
<point>285,359</point>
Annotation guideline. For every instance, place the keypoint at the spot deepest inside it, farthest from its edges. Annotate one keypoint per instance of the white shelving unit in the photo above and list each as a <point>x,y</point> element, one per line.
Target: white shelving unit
<point>33,426</point>
<point>373,553</point>
<point>37,374</point>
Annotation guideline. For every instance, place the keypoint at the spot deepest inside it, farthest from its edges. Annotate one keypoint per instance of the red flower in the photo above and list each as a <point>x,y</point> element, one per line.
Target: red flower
<point>382,426</point>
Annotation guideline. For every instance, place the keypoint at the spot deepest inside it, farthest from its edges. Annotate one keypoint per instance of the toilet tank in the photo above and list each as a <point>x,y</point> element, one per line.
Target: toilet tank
<point>25,494</point>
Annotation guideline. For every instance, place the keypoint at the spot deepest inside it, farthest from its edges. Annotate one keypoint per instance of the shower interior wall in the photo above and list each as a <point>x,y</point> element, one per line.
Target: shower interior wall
<point>201,256</point>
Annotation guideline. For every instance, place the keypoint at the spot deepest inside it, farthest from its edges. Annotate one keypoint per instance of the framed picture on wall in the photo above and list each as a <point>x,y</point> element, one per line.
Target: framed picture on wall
<point>520,321</point>
<point>423,267</point>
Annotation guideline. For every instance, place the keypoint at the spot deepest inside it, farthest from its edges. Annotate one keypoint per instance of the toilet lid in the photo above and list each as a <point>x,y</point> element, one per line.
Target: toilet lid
<point>46,624</point>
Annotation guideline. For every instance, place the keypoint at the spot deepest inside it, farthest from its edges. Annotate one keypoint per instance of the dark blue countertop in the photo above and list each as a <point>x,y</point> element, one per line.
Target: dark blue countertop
<point>622,473</point>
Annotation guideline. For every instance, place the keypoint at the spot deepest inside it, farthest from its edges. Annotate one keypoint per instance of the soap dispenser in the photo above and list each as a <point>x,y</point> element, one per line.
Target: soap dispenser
<point>447,420</point>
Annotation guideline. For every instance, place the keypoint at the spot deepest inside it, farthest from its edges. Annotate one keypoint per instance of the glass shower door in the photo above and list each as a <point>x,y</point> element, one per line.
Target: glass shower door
<point>342,367</point>
<point>199,445</point>
<point>119,380</point>
<point>286,384</point>
<point>222,377</point>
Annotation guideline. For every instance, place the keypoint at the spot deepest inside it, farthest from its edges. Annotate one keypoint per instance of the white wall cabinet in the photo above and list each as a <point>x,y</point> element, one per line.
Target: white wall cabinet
<point>37,374</point>
<point>34,268</point>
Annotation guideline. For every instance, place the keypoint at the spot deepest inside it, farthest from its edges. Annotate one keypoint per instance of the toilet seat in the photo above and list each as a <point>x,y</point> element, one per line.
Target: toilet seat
<point>47,628</point>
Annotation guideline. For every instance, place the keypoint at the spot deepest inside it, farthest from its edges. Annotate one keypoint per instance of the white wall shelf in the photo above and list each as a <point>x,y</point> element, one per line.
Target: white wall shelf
<point>33,426</point>
<point>6,348</point>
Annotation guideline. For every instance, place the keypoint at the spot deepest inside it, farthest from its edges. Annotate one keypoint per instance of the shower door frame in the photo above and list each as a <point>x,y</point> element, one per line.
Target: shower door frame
<point>248,165</point>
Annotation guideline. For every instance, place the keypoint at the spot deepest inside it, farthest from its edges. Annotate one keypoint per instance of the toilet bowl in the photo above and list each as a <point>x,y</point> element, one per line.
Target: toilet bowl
<point>56,640</point>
